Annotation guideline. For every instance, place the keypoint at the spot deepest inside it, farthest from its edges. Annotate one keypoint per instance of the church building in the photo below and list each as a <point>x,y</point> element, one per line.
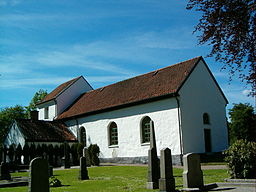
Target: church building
<point>183,100</point>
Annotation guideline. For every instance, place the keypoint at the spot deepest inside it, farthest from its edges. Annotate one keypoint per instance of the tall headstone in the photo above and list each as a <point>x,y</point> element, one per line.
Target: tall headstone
<point>4,171</point>
<point>167,181</point>
<point>66,156</point>
<point>192,173</point>
<point>39,175</point>
<point>83,172</point>
<point>153,162</point>
<point>86,155</point>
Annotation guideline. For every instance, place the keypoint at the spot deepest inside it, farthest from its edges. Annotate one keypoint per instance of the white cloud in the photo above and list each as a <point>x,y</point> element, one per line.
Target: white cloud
<point>246,92</point>
<point>26,82</point>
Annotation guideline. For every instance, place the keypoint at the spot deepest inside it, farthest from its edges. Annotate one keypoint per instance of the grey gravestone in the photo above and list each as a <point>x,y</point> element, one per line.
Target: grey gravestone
<point>67,156</point>
<point>4,171</point>
<point>167,181</point>
<point>192,173</point>
<point>86,155</point>
<point>39,175</point>
<point>83,172</point>
<point>153,162</point>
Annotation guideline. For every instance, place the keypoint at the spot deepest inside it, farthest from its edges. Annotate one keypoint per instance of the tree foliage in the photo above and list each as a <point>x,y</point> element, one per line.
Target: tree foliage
<point>39,96</point>
<point>243,121</point>
<point>230,27</point>
<point>7,115</point>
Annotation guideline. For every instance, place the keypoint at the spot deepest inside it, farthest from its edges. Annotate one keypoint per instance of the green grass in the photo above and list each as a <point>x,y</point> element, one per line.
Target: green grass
<point>114,178</point>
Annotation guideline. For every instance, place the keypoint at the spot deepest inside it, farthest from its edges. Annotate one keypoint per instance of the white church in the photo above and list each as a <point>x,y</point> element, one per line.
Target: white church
<point>183,100</point>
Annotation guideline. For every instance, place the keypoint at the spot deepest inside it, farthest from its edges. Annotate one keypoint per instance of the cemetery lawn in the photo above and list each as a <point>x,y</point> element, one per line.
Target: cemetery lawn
<point>114,178</point>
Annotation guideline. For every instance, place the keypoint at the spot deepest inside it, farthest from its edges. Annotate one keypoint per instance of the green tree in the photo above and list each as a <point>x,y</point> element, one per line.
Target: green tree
<point>39,96</point>
<point>230,27</point>
<point>242,125</point>
<point>7,115</point>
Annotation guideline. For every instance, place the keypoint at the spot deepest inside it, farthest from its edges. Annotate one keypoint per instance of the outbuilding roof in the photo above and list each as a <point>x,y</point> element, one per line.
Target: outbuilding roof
<point>44,131</point>
<point>59,90</point>
<point>154,85</point>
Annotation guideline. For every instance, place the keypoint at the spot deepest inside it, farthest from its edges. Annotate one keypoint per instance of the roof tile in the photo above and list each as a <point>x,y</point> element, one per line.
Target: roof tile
<point>165,81</point>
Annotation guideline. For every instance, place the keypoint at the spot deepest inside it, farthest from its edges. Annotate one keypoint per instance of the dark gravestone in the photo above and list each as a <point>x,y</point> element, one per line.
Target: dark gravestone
<point>153,162</point>
<point>39,175</point>
<point>4,171</point>
<point>167,181</point>
<point>192,173</point>
<point>86,155</point>
<point>67,156</point>
<point>83,172</point>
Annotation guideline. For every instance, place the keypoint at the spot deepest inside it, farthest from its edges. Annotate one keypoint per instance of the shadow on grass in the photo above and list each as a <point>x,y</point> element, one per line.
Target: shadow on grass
<point>223,189</point>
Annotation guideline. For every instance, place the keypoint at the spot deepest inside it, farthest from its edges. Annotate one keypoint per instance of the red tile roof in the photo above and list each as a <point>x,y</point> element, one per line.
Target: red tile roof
<point>58,90</point>
<point>44,131</point>
<point>159,83</point>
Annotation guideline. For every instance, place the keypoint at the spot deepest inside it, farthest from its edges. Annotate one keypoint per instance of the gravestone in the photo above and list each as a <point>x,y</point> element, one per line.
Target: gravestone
<point>4,171</point>
<point>83,172</point>
<point>67,156</point>
<point>86,155</point>
<point>39,175</point>
<point>167,181</point>
<point>192,173</point>
<point>153,162</point>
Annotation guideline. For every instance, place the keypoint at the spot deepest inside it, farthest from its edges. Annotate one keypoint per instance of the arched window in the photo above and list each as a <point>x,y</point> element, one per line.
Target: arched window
<point>113,134</point>
<point>206,119</point>
<point>82,136</point>
<point>145,130</point>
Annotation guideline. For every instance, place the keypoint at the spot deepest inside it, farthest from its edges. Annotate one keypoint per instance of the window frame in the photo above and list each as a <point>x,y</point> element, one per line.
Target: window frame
<point>46,112</point>
<point>206,119</point>
<point>145,130</point>
<point>113,134</point>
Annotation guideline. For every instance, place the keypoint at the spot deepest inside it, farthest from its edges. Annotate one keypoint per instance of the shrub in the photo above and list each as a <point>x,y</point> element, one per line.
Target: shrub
<point>54,182</point>
<point>18,154</point>
<point>25,153</point>
<point>11,153</point>
<point>94,152</point>
<point>74,154</point>
<point>32,151</point>
<point>50,154</point>
<point>241,159</point>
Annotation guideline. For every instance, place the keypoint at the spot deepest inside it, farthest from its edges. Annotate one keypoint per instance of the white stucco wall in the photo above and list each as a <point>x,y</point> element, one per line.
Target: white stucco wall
<point>14,137</point>
<point>67,97</point>
<point>163,113</point>
<point>201,95</point>
<point>52,110</point>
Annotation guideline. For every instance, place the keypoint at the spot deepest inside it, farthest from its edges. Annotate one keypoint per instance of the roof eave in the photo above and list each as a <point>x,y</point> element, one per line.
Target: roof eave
<point>173,94</point>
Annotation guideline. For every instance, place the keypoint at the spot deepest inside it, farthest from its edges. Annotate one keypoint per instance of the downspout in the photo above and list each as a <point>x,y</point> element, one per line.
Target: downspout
<point>180,131</point>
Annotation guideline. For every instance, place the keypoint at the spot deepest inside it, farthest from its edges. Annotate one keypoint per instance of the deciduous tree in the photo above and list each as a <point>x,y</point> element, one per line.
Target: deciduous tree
<point>229,26</point>
<point>243,121</point>
<point>39,95</point>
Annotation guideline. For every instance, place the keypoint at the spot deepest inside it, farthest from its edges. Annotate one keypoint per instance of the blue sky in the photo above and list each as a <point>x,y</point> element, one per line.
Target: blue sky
<point>44,43</point>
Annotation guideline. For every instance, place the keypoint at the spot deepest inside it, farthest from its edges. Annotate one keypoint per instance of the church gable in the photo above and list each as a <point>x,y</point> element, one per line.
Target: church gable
<point>61,97</point>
